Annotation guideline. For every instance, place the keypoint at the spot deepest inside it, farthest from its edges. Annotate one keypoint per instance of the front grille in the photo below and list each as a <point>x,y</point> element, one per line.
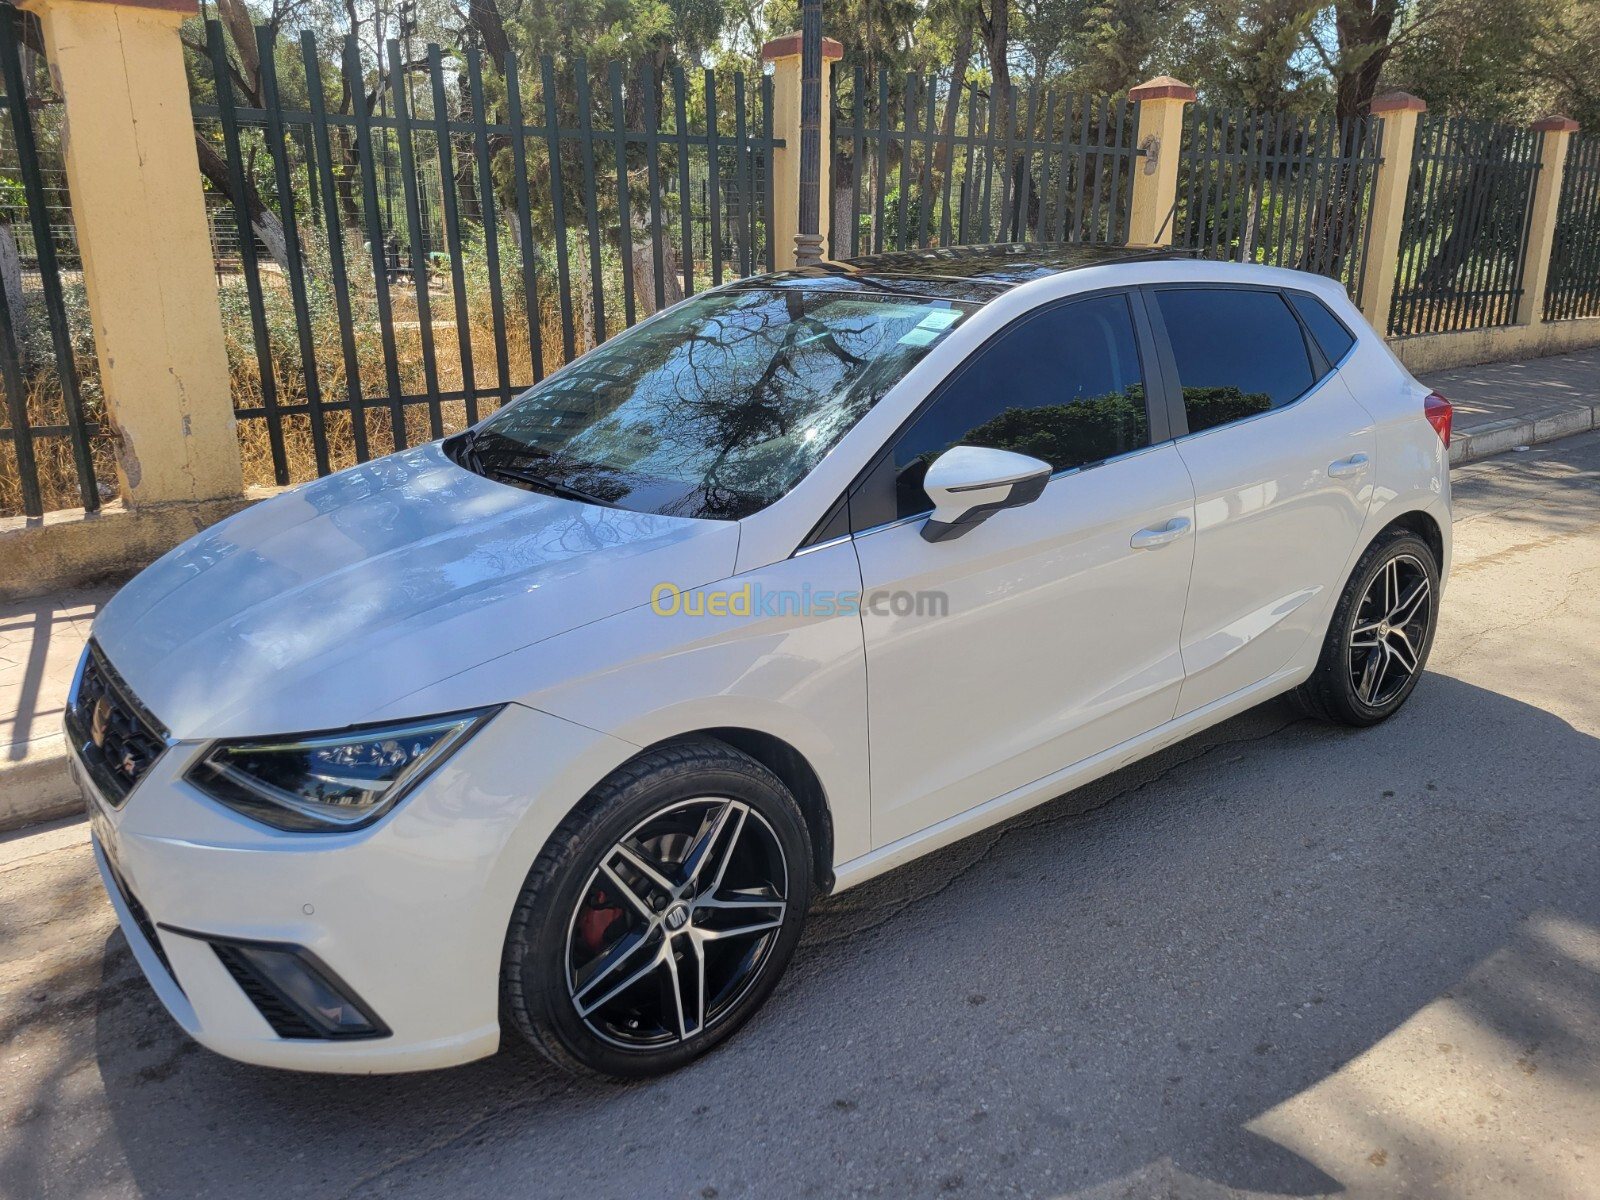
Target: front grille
<point>142,919</point>
<point>285,1021</point>
<point>117,738</point>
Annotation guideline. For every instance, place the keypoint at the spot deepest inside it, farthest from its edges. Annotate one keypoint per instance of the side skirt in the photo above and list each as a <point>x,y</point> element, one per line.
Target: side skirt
<point>1020,800</point>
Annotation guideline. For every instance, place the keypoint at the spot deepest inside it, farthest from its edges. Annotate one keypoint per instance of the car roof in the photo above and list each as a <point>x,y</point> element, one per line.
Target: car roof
<point>975,274</point>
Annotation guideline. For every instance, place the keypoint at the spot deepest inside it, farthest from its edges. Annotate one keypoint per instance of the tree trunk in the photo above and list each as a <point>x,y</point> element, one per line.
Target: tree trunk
<point>947,126</point>
<point>11,280</point>
<point>263,221</point>
<point>642,248</point>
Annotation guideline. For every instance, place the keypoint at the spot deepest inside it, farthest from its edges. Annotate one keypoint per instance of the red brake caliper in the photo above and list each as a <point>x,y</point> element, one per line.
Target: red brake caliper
<point>595,922</point>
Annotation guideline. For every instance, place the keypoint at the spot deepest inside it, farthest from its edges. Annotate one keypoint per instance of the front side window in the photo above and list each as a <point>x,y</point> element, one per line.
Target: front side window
<point>1239,352</point>
<point>718,407</point>
<point>1063,385</point>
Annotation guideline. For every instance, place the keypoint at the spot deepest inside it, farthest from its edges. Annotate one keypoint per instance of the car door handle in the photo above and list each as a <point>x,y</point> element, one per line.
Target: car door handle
<point>1356,464</point>
<point>1149,539</point>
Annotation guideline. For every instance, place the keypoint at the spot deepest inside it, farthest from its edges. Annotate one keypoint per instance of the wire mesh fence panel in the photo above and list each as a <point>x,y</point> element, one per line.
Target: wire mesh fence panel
<point>1573,289</point>
<point>1285,189</point>
<point>405,241</point>
<point>51,455</point>
<point>1465,231</point>
<point>920,164</point>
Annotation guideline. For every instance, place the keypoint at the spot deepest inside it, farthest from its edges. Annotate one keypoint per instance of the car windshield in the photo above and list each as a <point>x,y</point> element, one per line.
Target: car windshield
<point>715,409</point>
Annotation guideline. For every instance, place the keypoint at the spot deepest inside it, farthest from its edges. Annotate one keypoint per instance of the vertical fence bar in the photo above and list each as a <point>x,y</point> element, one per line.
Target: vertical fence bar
<point>714,172</point>
<point>619,140</point>
<point>367,156</point>
<point>858,162</point>
<point>652,145</point>
<point>685,213</point>
<point>452,234</point>
<point>591,196</point>
<point>491,225</point>
<point>880,154</point>
<point>519,175</point>
<point>419,255</point>
<point>743,176</point>
<point>558,207</point>
<point>278,148</point>
<point>339,277</point>
<point>229,119</point>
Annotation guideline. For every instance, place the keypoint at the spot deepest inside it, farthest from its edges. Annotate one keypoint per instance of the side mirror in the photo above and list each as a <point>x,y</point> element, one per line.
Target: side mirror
<point>969,484</point>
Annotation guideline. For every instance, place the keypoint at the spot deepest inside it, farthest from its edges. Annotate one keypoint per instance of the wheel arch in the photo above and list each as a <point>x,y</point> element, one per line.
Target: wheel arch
<point>1425,526</point>
<point>790,766</point>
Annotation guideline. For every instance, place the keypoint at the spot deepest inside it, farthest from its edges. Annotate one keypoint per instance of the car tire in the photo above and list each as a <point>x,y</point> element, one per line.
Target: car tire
<point>1379,637</point>
<point>688,868</point>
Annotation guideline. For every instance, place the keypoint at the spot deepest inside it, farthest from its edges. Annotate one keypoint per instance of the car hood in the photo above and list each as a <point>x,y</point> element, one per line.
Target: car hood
<point>318,607</point>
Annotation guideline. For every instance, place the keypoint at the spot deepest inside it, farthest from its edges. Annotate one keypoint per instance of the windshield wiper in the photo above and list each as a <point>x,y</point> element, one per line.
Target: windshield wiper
<point>543,484</point>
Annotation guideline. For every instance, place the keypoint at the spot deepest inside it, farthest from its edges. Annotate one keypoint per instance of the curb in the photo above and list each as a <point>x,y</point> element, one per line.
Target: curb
<point>38,788</point>
<point>1469,443</point>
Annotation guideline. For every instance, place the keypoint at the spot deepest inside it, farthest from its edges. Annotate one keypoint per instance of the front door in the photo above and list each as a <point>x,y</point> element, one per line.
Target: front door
<point>1051,631</point>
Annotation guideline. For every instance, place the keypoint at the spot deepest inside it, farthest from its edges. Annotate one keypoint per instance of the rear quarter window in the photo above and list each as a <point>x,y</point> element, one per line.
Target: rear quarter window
<point>1330,333</point>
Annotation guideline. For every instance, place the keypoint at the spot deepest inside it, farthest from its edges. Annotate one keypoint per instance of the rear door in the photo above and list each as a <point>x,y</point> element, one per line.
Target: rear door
<point>1050,632</point>
<point>1281,456</point>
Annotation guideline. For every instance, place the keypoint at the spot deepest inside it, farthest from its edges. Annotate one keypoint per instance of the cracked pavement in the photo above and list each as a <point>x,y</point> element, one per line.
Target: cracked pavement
<point>1276,960</point>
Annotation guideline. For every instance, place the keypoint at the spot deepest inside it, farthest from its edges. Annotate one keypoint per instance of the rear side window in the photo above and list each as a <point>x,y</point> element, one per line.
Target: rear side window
<point>1063,385</point>
<point>1334,339</point>
<point>1239,352</point>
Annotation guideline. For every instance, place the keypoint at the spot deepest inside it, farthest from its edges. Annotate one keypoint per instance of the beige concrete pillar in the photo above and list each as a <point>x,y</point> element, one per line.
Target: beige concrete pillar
<point>140,217</point>
<point>1555,135</point>
<point>1155,176</point>
<point>1400,113</point>
<point>784,55</point>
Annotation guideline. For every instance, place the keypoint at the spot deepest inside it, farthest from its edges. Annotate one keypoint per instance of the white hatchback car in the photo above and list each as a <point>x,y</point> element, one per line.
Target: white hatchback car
<point>559,725</point>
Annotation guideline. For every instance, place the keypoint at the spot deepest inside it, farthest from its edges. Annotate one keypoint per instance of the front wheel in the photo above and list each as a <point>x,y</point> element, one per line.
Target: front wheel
<point>1380,634</point>
<point>660,915</point>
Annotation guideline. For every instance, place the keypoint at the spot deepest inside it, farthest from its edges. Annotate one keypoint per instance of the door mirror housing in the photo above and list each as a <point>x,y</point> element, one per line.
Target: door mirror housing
<point>969,484</point>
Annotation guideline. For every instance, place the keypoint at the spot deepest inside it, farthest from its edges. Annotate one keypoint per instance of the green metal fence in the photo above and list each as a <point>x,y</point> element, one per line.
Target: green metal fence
<point>1278,188</point>
<point>1465,232</point>
<point>47,452</point>
<point>1573,289</point>
<point>452,233</point>
<point>918,164</point>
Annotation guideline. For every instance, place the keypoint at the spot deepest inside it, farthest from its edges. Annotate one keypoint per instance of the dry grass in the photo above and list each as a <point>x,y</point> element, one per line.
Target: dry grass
<point>58,474</point>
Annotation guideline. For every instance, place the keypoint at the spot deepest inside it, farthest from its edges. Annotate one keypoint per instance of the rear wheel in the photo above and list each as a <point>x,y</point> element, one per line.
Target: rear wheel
<point>660,915</point>
<point>1380,634</point>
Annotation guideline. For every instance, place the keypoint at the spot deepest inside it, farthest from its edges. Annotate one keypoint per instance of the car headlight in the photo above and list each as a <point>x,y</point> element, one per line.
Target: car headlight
<point>329,782</point>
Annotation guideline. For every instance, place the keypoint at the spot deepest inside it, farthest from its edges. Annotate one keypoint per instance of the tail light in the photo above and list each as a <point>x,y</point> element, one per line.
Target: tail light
<point>1439,413</point>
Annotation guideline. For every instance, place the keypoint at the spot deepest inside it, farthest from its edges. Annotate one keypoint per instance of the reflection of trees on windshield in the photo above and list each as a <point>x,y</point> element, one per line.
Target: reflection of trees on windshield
<point>718,408</point>
<point>1209,406</point>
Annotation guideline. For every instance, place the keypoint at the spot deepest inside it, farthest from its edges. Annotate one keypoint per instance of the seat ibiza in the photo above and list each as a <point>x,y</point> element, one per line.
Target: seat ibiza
<point>552,730</point>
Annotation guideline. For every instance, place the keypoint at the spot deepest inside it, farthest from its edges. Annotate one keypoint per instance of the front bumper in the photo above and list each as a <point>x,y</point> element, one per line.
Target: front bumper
<point>409,915</point>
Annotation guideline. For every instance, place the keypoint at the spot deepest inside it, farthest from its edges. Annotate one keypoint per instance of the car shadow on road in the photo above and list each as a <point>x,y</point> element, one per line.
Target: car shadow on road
<point>1129,976</point>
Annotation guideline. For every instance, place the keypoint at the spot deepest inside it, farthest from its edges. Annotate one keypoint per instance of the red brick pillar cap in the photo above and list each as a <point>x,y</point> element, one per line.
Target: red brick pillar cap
<point>1555,124</point>
<point>1397,102</point>
<point>1162,87</point>
<point>788,46</point>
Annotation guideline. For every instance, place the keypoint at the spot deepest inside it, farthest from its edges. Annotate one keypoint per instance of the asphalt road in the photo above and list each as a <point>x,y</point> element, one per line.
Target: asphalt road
<point>1277,960</point>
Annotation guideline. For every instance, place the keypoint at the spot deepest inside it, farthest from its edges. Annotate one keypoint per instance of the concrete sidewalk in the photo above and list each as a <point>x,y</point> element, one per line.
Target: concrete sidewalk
<point>1499,406</point>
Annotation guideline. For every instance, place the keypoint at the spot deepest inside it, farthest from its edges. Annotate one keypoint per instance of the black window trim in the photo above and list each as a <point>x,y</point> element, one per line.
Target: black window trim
<point>1177,416</point>
<point>1157,409</point>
